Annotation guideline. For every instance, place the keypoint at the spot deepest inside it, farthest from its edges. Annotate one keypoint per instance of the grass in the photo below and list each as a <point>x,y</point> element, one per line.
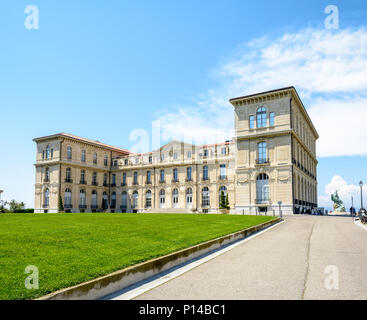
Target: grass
<point>72,248</point>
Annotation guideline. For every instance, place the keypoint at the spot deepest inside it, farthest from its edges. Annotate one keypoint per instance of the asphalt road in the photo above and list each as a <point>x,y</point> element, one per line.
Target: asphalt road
<point>307,257</point>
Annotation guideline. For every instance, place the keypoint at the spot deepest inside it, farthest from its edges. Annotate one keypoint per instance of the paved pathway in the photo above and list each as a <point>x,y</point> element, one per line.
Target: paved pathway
<point>287,262</point>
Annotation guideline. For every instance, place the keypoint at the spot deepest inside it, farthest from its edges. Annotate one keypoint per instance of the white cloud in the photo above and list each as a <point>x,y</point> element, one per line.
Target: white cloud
<point>328,68</point>
<point>345,191</point>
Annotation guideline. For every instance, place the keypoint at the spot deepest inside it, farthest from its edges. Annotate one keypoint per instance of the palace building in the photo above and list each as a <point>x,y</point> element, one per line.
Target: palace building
<point>270,164</point>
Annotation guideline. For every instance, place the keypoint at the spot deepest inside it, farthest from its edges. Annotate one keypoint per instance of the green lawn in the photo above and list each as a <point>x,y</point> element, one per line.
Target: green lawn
<point>75,247</point>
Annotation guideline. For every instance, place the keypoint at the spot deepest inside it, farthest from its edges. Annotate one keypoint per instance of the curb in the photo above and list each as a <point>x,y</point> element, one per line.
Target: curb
<point>118,280</point>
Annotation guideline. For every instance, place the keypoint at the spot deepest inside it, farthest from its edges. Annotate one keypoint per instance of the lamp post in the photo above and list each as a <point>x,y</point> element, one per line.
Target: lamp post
<point>280,209</point>
<point>361,185</point>
<point>352,208</point>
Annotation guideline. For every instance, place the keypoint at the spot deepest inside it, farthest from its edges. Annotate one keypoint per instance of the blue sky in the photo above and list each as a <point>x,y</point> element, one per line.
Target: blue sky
<point>101,69</point>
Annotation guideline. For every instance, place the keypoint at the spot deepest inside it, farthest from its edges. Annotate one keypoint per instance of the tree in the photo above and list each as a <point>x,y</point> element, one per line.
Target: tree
<point>16,206</point>
<point>222,204</point>
<point>3,205</point>
<point>227,202</point>
<point>60,205</point>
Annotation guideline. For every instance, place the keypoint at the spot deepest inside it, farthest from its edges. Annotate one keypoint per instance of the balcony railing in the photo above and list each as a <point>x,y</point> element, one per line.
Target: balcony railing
<point>68,180</point>
<point>94,183</point>
<point>205,179</point>
<point>262,201</point>
<point>262,161</point>
<point>175,180</point>
<point>94,207</point>
<point>188,179</point>
<point>83,182</point>
<point>162,181</point>
<point>222,177</point>
<point>68,206</point>
<point>113,184</point>
<point>82,206</point>
<point>123,184</point>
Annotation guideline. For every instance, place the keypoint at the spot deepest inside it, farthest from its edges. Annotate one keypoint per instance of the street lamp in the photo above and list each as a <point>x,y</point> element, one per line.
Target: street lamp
<point>280,209</point>
<point>361,185</point>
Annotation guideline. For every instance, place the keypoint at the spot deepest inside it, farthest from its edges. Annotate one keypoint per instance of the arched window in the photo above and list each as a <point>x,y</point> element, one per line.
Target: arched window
<point>82,198</point>
<point>69,153</point>
<point>205,197</point>
<point>148,199</point>
<point>113,200</point>
<point>175,198</point>
<point>104,201</point>
<point>262,188</point>
<point>124,200</point>
<point>162,198</point>
<point>46,198</point>
<point>135,199</point>
<point>67,201</point>
<point>94,199</point>
<point>48,152</point>
<point>188,198</point>
<point>261,117</point>
<point>205,173</point>
<point>224,190</point>
<point>262,153</point>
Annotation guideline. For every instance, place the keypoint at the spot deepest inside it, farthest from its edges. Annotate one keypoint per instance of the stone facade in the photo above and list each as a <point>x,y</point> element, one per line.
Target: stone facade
<point>272,158</point>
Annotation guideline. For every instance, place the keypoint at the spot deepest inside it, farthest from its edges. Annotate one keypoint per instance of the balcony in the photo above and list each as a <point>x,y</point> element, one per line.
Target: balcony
<point>94,183</point>
<point>83,182</point>
<point>123,184</point>
<point>124,207</point>
<point>262,161</point>
<point>262,201</point>
<point>188,180</point>
<point>175,181</point>
<point>94,207</point>
<point>105,184</point>
<point>162,181</point>
<point>45,205</point>
<point>68,180</point>
<point>113,185</point>
<point>205,179</point>
<point>135,183</point>
<point>148,182</point>
<point>223,177</point>
<point>68,206</point>
<point>46,180</point>
<point>82,206</point>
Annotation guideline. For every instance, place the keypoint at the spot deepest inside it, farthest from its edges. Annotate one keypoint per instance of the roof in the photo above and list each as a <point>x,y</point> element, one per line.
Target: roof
<point>262,93</point>
<point>96,143</point>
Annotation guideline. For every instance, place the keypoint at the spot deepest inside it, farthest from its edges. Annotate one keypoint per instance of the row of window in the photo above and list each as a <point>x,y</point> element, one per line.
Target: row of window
<point>262,119</point>
<point>205,153</point>
<point>135,176</point>
<point>69,156</point>
<point>135,198</point>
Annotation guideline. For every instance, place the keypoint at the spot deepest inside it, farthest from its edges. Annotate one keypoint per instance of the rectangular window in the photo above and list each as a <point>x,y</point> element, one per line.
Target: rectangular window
<point>205,173</point>
<point>162,157</point>
<point>205,153</point>
<point>271,119</point>
<point>150,159</point>
<point>252,122</point>
<point>162,175</point>
<point>124,178</point>
<point>189,170</point>
<point>148,177</point>
<point>223,173</point>
<point>83,156</point>
<point>175,174</point>
<point>224,151</point>
<point>189,154</point>
<point>113,179</point>
<point>175,156</point>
